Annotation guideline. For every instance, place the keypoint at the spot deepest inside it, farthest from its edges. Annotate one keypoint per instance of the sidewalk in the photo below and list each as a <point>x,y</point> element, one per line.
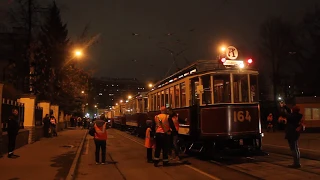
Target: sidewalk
<point>309,144</point>
<point>49,158</point>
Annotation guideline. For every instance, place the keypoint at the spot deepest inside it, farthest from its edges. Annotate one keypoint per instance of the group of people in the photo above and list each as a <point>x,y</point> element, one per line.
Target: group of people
<point>49,126</point>
<point>162,135</point>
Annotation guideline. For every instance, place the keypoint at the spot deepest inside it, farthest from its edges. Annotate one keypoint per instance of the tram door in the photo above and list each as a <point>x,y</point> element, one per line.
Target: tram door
<point>194,96</point>
<point>194,106</point>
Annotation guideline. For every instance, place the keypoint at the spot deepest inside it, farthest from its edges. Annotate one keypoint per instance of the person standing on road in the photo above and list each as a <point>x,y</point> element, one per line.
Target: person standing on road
<point>292,133</point>
<point>149,141</point>
<point>13,130</point>
<point>162,130</point>
<point>100,139</point>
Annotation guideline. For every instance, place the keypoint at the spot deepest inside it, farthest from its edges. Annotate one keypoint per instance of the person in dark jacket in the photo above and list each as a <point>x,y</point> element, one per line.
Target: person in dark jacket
<point>292,133</point>
<point>46,126</point>
<point>13,129</point>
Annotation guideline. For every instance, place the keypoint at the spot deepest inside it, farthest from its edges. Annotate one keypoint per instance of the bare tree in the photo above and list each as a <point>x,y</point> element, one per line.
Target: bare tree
<point>277,42</point>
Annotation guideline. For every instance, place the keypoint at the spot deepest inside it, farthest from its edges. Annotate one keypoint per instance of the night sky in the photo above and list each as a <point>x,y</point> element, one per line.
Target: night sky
<point>198,25</point>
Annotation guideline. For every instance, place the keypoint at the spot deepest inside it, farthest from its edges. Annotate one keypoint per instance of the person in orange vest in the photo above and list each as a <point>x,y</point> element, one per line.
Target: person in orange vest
<point>162,134</point>
<point>100,139</point>
<point>149,141</point>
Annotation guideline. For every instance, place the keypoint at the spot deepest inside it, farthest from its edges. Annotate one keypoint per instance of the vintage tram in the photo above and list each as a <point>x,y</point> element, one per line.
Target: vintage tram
<point>216,101</point>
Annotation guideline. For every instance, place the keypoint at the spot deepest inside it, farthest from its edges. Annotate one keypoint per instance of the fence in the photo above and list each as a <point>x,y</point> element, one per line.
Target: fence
<point>38,115</point>
<point>7,106</point>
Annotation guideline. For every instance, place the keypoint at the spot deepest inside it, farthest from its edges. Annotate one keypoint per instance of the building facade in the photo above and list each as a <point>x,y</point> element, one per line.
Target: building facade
<point>106,92</point>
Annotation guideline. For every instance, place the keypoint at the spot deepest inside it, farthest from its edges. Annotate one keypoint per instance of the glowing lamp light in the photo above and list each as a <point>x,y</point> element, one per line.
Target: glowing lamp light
<point>223,60</point>
<point>249,61</point>
<point>241,65</point>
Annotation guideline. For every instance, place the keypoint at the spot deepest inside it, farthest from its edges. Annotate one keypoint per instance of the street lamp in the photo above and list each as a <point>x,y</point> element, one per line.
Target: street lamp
<point>222,48</point>
<point>116,104</point>
<point>150,85</point>
<point>95,106</point>
<point>82,92</point>
<point>78,53</point>
<point>129,97</point>
<point>121,101</point>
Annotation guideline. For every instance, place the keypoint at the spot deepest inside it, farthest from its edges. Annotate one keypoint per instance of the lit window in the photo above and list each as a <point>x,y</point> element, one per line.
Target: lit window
<point>312,113</point>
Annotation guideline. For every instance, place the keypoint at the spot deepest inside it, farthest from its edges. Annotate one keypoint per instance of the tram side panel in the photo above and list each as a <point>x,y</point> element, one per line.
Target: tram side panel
<point>119,122</point>
<point>235,123</point>
<point>136,123</point>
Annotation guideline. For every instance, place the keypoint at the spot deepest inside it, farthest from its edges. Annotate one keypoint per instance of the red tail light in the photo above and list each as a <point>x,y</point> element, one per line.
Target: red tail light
<point>250,61</point>
<point>223,60</point>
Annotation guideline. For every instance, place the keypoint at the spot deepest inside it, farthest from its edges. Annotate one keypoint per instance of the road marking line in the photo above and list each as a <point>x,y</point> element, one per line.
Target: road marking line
<point>193,168</point>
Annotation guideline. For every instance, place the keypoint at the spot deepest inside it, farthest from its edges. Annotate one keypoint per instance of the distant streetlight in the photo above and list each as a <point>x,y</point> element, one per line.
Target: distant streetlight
<point>82,92</point>
<point>150,85</point>
<point>129,97</point>
<point>121,101</point>
<point>95,106</point>
<point>78,53</point>
<point>116,104</point>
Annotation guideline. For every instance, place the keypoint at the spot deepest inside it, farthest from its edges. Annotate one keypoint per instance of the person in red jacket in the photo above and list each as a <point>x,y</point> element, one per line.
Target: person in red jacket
<point>100,139</point>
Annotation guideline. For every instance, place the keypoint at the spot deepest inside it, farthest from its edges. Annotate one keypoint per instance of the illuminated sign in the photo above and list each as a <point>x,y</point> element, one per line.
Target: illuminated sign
<point>232,53</point>
<point>233,63</point>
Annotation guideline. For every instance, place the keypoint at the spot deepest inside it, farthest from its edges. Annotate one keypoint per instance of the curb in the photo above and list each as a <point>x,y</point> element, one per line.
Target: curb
<point>304,153</point>
<point>74,166</point>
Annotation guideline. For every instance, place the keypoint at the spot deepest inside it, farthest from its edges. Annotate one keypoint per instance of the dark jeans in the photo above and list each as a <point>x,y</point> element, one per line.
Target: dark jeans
<point>54,130</point>
<point>101,144</point>
<point>46,131</point>
<point>175,145</point>
<point>162,143</point>
<point>11,142</point>
<point>149,154</point>
<point>293,144</point>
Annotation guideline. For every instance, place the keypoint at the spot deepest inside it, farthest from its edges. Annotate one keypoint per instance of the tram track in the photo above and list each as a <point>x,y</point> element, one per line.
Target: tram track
<point>251,166</point>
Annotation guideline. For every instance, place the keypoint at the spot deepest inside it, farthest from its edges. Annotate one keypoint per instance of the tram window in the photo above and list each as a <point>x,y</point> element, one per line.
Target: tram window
<point>162,99</point>
<point>240,88</point>
<point>166,98</point>
<point>183,94</point>
<point>177,96</point>
<point>222,91</point>
<point>171,97</point>
<point>145,105</point>
<point>158,101</point>
<point>206,96</point>
<point>151,102</point>
<point>254,88</point>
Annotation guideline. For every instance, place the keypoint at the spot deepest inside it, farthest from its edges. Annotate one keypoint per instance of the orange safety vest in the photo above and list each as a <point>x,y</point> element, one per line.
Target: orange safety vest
<point>176,122</point>
<point>101,132</point>
<point>149,142</point>
<point>162,123</point>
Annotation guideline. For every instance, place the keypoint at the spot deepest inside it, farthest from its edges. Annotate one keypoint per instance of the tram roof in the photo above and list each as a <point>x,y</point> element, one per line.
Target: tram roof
<point>198,67</point>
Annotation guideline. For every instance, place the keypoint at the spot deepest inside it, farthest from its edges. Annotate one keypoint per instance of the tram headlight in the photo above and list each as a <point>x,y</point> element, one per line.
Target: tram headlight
<point>241,65</point>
